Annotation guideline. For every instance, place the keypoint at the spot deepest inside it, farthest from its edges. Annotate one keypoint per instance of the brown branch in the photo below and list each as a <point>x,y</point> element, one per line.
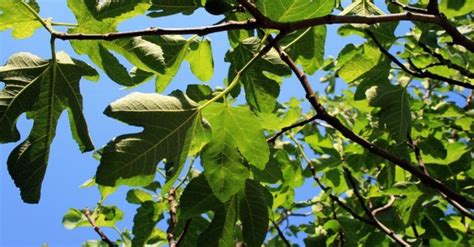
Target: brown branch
<point>369,213</point>
<point>384,207</point>
<point>416,149</point>
<point>290,127</point>
<point>102,235</point>
<point>326,190</point>
<point>409,8</point>
<point>417,72</point>
<point>265,22</point>
<point>447,62</point>
<point>173,220</point>
<point>281,234</point>
<point>348,133</point>
<point>469,101</point>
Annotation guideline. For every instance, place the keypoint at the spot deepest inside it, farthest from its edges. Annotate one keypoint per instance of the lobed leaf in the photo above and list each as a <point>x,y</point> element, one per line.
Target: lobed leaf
<point>42,89</point>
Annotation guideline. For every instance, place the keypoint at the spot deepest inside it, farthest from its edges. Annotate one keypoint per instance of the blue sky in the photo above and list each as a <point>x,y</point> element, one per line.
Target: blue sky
<point>31,225</point>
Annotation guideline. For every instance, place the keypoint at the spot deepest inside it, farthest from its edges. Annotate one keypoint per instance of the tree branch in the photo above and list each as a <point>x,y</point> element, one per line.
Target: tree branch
<point>281,234</point>
<point>173,220</point>
<point>369,213</point>
<point>408,7</point>
<point>265,22</point>
<point>416,149</point>
<point>446,62</point>
<point>417,72</point>
<point>326,189</point>
<point>102,235</point>
<point>288,128</point>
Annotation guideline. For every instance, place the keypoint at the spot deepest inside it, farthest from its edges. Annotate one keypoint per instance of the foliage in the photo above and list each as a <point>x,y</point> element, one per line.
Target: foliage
<point>388,150</point>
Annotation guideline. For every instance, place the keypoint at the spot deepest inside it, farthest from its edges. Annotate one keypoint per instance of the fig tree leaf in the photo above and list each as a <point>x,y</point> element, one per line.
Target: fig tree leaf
<point>200,59</point>
<point>162,8</point>
<point>295,10</point>
<point>394,103</point>
<point>105,9</point>
<point>169,122</point>
<point>104,216</point>
<point>15,15</point>
<point>253,212</point>
<point>176,49</point>
<point>137,196</point>
<point>197,198</point>
<point>360,63</point>
<point>145,220</point>
<point>235,131</point>
<point>43,89</point>
<point>309,49</point>
<point>240,126</point>
<point>362,7</point>
<point>104,18</point>
<point>221,230</point>
<point>261,89</point>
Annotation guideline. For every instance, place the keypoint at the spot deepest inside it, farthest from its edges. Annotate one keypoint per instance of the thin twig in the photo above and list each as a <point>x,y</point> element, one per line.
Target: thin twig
<point>409,8</point>
<point>414,145</point>
<point>326,189</point>
<point>102,235</point>
<point>369,213</point>
<point>447,62</point>
<point>385,207</point>
<point>173,220</point>
<point>469,101</point>
<point>417,72</point>
<point>288,128</point>
<point>348,133</point>
<point>281,234</point>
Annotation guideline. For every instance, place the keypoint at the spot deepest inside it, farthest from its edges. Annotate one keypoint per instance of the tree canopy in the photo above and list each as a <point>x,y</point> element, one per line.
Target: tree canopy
<point>386,144</point>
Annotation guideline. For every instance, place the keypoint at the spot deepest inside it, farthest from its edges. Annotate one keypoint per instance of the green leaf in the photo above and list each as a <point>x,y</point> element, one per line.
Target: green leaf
<point>261,90</point>
<point>145,220</point>
<point>436,227</point>
<point>454,152</point>
<point>236,131</point>
<point>295,10</point>
<point>43,89</point>
<point>104,216</point>
<point>362,7</point>
<point>112,8</point>
<point>200,59</point>
<point>309,49</point>
<point>95,243</point>
<point>15,15</point>
<point>197,198</point>
<point>240,126</point>
<point>137,196</point>
<point>253,212</point>
<point>395,109</point>
<point>148,57</point>
<point>169,122</point>
<point>360,63</point>
<point>162,8</point>
<point>221,230</point>
<point>454,8</point>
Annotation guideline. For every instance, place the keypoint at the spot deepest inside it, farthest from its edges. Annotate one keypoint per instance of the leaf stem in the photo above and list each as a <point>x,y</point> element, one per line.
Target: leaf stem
<point>46,23</point>
<point>296,39</point>
<point>235,80</point>
<point>63,24</point>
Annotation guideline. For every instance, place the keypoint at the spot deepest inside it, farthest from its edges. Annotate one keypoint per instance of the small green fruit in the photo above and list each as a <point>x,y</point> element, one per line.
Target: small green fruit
<point>217,7</point>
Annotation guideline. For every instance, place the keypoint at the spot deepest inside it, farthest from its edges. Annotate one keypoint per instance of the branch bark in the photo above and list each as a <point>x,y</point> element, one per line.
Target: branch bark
<point>173,220</point>
<point>101,234</point>
<point>417,72</point>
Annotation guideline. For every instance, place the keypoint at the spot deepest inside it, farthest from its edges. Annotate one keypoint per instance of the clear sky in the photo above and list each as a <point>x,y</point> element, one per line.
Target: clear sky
<point>31,225</point>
